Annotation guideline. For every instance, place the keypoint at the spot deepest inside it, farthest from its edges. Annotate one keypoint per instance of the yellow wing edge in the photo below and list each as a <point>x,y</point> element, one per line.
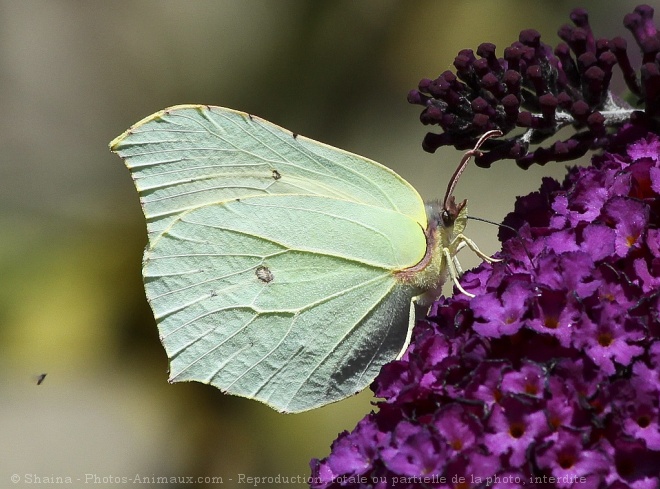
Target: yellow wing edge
<point>157,115</point>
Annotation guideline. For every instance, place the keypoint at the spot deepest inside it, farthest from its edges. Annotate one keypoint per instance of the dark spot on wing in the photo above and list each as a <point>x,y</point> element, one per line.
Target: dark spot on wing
<point>264,274</point>
<point>276,175</point>
<point>295,135</point>
<point>41,378</point>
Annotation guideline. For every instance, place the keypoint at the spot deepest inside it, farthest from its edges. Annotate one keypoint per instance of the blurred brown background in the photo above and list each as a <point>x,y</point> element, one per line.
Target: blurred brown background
<point>75,74</point>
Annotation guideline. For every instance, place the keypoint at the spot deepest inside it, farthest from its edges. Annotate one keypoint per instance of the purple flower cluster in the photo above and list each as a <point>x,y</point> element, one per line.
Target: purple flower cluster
<point>550,376</point>
<point>542,90</point>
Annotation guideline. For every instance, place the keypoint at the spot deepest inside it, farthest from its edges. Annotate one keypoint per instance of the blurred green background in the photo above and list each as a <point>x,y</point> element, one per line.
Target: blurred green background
<point>75,74</point>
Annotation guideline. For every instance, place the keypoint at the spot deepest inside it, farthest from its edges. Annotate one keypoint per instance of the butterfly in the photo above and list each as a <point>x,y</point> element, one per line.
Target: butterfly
<point>279,268</point>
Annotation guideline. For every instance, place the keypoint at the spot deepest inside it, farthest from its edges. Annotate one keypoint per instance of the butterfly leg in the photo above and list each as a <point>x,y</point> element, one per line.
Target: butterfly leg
<point>473,246</point>
<point>457,265</point>
<point>454,273</point>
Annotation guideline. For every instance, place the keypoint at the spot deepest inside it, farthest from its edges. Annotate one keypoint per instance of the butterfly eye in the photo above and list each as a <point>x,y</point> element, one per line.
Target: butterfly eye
<point>447,218</point>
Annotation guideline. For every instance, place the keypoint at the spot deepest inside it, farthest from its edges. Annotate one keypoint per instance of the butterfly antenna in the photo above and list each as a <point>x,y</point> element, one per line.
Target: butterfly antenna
<point>465,160</point>
<point>510,228</point>
<point>488,221</point>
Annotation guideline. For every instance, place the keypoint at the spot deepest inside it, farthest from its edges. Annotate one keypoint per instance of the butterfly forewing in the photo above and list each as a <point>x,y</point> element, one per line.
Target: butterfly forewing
<point>188,156</point>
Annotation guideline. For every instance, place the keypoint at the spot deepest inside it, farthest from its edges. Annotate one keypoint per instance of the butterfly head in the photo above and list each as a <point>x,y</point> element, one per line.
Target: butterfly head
<point>445,220</point>
<point>451,211</point>
<point>451,217</point>
<point>444,235</point>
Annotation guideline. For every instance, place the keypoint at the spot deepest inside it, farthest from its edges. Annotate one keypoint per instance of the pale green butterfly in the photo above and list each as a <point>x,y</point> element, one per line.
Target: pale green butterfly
<point>279,268</point>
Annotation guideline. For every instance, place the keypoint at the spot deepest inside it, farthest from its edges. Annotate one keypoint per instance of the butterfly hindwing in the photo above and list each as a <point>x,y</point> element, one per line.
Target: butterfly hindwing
<point>287,299</point>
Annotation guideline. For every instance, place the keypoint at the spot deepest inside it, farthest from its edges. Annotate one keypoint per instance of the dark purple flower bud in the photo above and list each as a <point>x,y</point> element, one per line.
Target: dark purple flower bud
<point>511,105</point>
<point>548,104</point>
<point>414,97</point>
<point>577,74</point>
<point>492,84</point>
<point>569,73</point>
<point>596,124</point>
<point>535,76</point>
<point>525,119</point>
<point>512,80</point>
<point>606,61</point>
<point>576,38</point>
<point>480,105</point>
<point>580,110</point>
<point>619,48</point>
<point>586,61</point>
<point>602,46</point>
<point>650,75</point>
<point>512,56</point>
<point>482,122</point>
<point>564,101</point>
<point>487,52</point>
<point>481,68</point>
<point>640,23</point>
<point>530,37</point>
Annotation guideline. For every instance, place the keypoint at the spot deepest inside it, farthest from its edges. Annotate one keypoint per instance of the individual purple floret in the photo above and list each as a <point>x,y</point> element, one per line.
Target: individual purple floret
<point>533,91</point>
<point>550,376</point>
